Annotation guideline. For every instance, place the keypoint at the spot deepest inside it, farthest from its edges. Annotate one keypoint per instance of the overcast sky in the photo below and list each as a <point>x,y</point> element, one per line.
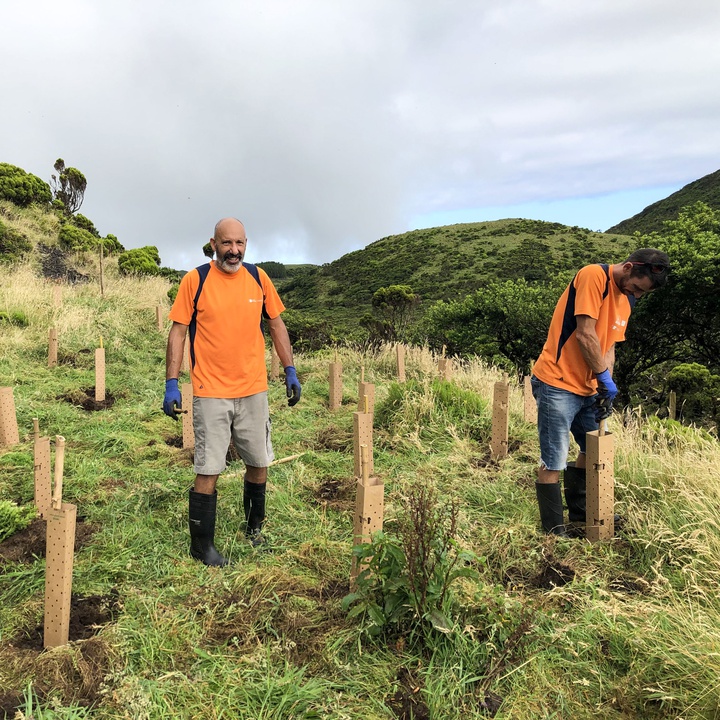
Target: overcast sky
<point>327,124</point>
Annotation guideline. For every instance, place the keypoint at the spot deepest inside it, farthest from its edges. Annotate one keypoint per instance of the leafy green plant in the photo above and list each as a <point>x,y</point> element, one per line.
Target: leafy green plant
<point>140,261</point>
<point>406,583</point>
<point>14,517</point>
<point>22,188</point>
<point>13,244</point>
<point>15,317</point>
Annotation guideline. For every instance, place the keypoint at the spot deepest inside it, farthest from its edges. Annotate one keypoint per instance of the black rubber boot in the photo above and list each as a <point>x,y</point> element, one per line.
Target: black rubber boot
<point>203,509</point>
<point>574,482</point>
<point>254,505</point>
<point>549,499</point>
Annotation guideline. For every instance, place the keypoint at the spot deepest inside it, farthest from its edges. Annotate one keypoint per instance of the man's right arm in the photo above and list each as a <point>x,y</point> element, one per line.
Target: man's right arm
<point>175,349</point>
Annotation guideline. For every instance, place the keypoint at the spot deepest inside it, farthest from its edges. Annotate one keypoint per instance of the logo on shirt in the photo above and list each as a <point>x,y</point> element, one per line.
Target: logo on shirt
<point>254,300</point>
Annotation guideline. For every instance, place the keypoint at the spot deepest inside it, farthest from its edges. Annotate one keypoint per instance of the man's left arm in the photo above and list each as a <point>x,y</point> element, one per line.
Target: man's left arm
<point>610,358</point>
<point>281,341</point>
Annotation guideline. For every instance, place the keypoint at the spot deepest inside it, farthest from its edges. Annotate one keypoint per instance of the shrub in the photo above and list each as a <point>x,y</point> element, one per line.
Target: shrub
<point>22,188</point>
<point>14,518</point>
<point>698,391</point>
<point>85,224</point>
<point>140,261</point>
<point>13,244</point>
<point>111,245</point>
<point>275,270</point>
<point>77,239</point>
<point>307,332</point>
<point>406,584</point>
<point>15,317</point>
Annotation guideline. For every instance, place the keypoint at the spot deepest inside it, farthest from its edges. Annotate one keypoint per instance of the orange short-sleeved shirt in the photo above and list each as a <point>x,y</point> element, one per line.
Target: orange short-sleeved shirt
<point>228,345</point>
<point>561,363</point>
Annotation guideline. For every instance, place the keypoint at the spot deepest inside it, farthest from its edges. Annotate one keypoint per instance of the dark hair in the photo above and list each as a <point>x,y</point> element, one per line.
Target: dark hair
<point>648,262</point>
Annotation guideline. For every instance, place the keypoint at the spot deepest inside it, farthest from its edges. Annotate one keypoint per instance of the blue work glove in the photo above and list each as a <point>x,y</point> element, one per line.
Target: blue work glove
<point>173,398</point>
<point>293,385</point>
<point>607,390</point>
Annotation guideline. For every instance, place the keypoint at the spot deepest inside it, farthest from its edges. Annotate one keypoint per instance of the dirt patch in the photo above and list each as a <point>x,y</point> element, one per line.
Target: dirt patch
<point>26,545</point>
<point>175,441</point>
<point>87,617</point>
<point>338,494</point>
<point>54,264</point>
<point>553,574</point>
<point>408,703</point>
<point>630,586</point>
<point>85,399</point>
<point>333,438</point>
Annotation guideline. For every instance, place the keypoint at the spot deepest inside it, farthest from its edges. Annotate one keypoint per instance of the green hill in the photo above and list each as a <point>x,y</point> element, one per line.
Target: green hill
<point>651,219</point>
<point>445,263</point>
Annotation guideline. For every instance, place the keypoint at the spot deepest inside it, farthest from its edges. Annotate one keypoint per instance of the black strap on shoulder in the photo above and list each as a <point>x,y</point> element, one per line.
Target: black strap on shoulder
<point>202,271</point>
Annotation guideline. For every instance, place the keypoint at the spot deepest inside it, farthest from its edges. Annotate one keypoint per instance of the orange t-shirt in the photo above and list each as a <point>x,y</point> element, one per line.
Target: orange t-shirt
<point>228,347</point>
<point>561,363</point>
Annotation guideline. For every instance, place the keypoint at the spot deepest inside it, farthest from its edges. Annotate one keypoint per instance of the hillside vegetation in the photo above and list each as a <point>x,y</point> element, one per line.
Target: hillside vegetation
<point>532,626</point>
<point>653,217</point>
<point>445,263</point>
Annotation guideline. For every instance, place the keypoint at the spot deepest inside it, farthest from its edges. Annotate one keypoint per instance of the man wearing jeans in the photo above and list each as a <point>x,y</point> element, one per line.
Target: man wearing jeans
<point>220,307</point>
<point>572,379</point>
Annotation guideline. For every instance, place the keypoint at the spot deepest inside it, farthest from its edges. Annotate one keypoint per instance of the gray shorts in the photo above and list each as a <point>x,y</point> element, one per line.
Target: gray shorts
<point>245,420</point>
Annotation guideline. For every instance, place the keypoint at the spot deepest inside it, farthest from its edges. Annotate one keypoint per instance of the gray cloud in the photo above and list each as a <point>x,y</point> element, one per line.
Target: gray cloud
<point>327,125</point>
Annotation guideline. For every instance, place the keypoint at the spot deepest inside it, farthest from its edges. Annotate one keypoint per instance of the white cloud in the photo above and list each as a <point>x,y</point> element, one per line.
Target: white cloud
<point>327,125</point>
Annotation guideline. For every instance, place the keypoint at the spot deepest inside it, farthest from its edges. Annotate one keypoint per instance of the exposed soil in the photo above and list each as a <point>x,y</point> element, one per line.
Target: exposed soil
<point>333,438</point>
<point>408,703</point>
<point>553,574</point>
<point>175,441</point>
<point>338,494</point>
<point>87,616</point>
<point>53,262</point>
<point>85,399</point>
<point>26,545</point>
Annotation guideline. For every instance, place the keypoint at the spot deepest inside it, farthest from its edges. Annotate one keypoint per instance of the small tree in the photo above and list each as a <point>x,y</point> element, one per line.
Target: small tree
<point>395,305</point>
<point>140,261</point>
<point>68,187</point>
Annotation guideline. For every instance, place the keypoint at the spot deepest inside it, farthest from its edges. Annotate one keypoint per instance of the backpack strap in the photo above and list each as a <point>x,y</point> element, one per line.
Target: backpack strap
<point>202,271</point>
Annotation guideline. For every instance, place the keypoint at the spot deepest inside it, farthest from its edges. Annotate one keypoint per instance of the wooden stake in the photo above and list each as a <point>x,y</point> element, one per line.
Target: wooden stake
<point>159,317</point>
<point>100,373</point>
<point>274,364</point>
<point>366,399</point>
<point>500,420</point>
<point>400,354</point>
<point>672,409</point>
<point>529,404</point>
<point>42,473</point>
<point>335,385</point>
<point>188,433</point>
<point>445,368</point>
<point>9,433</point>
<point>362,435</point>
<point>53,348</point>
<point>600,474</point>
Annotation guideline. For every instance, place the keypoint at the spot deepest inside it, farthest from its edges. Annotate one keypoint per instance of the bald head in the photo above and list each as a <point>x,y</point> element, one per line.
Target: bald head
<point>228,244</point>
<point>228,224</point>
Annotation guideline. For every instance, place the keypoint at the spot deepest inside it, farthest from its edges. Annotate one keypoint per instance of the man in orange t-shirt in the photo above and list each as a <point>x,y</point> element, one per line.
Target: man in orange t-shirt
<point>572,379</point>
<point>229,378</point>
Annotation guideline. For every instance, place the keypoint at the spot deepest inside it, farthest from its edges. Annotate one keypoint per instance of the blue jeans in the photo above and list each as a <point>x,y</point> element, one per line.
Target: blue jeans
<point>560,413</point>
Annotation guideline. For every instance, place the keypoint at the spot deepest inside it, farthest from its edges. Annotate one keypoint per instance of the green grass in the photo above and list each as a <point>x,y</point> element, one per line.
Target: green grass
<point>632,634</point>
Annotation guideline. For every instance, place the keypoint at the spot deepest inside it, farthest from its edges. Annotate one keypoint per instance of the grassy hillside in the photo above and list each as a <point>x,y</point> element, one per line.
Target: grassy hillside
<point>537,627</point>
<point>651,219</point>
<point>447,262</point>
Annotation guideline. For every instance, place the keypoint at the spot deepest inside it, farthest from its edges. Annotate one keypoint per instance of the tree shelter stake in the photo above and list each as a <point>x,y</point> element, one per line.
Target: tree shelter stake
<point>335,385</point>
<point>369,508</point>
<point>9,433</point>
<point>366,401</point>
<point>529,403</point>
<point>100,373</point>
<point>159,317</point>
<point>362,435</point>
<point>188,435</point>
<point>60,544</point>
<point>672,409</point>
<point>53,348</point>
<point>400,355</point>
<point>274,363</point>
<point>600,481</point>
<point>500,419</point>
